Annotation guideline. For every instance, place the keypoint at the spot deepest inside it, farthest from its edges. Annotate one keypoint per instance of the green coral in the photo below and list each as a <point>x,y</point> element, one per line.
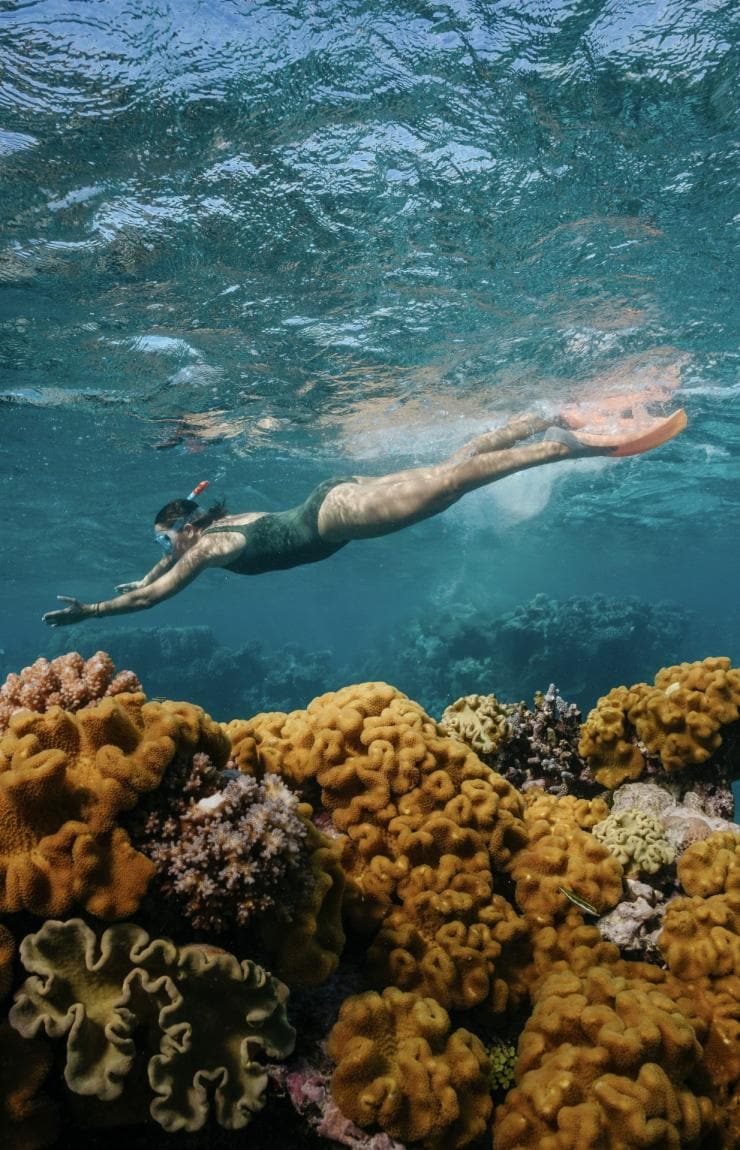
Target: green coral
<point>636,839</point>
<point>195,1012</point>
<point>480,721</point>
<point>502,1057</point>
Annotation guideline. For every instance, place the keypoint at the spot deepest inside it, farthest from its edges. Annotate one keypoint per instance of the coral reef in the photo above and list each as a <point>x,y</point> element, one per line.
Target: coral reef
<point>585,643</point>
<point>636,839</point>
<point>615,1045</point>
<point>523,906</point>
<point>398,1066</point>
<point>69,681</point>
<point>226,849</point>
<point>677,720</point>
<point>685,821</point>
<point>65,779</point>
<point>196,1014</point>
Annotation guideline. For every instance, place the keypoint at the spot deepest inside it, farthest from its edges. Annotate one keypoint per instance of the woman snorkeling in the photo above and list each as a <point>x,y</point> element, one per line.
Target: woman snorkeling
<point>343,509</point>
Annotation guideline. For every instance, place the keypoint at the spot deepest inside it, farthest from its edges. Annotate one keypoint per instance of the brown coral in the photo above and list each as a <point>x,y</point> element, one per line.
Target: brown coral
<point>401,793</point>
<point>711,866</point>
<point>677,720</point>
<point>64,779</point>
<point>571,860</point>
<point>400,1068</point>
<point>68,681</point>
<point>446,937</point>
<point>28,1120</point>
<point>701,936</point>
<point>609,1050</point>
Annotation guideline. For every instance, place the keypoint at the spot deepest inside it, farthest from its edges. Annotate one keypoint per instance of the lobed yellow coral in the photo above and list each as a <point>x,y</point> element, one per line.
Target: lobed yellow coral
<point>606,739</point>
<point>540,806</point>
<point>445,938</point>
<point>197,1013</point>
<point>636,839</point>
<point>711,866</point>
<point>571,859</point>
<point>701,936</point>
<point>64,779</point>
<point>678,720</point>
<point>400,1068</point>
<point>606,1054</point>
<point>402,794</point>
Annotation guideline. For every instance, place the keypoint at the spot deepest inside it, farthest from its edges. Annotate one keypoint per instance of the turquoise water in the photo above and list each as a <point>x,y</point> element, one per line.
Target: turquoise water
<point>260,244</point>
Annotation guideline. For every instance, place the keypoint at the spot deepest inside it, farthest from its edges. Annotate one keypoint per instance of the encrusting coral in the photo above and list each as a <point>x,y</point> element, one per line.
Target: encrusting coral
<point>64,780</point>
<point>677,720</point>
<point>28,1119</point>
<point>196,1014</point>
<point>606,1055</point>
<point>399,1067</point>
<point>636,839</point>
<point>69,681</point>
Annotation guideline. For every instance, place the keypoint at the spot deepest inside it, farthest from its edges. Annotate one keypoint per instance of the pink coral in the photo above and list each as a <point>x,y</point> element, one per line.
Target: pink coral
<point>68,681</point>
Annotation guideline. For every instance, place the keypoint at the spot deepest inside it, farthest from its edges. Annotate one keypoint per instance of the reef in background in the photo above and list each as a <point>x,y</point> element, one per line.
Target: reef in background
<point>507,929</point>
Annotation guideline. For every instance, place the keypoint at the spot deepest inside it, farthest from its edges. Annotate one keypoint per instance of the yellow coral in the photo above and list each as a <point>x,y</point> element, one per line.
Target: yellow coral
<point>606,739</point>
<point>583,813</point>
<point>678,719</point>
<point>446,937</point>
<point>400,1068</point>
<point>604,1052</point>
<point>711,866</point>
<point>701,936</point>
<point>64,779</point>
<point>305,952</point>
<point>570,859</point>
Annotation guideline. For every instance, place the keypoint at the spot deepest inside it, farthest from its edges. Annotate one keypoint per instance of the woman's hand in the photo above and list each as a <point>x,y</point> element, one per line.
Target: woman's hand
<point>122,588</point>
<point>71,614</point>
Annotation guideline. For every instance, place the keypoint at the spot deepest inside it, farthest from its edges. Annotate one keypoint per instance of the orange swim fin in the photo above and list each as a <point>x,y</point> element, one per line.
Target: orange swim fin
<point>619,444</point>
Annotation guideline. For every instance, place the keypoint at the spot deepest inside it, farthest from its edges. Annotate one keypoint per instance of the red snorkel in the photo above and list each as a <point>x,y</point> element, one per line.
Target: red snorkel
<point>198,488</point>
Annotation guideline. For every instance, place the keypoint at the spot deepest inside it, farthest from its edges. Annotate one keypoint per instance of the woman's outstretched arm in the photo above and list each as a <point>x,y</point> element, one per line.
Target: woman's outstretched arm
<point>173,580</point>
<point>157,570</point>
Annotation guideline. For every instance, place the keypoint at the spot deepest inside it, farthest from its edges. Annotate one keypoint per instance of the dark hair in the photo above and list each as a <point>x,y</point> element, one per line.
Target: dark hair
<point>190,512</point>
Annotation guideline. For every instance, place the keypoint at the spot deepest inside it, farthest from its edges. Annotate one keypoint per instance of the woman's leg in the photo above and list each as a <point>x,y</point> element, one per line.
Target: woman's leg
<point>378,506</point>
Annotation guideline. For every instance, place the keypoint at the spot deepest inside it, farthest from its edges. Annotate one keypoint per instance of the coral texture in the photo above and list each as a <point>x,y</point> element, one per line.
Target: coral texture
<point>542,747</point>
<point>712,866</point>
<point>7,951</point>
<point>69,681</point>
<point>478,720</point>
<point>445,938</point>
<point>607,1051</point>
<point>226,848</point>
<point>678,720</point>
<point>564,859</point>
<point>402,794</point>
<point>636,839</point>
<point>64,780</point>
<point>400,1068</point>
<point>197,1015</point>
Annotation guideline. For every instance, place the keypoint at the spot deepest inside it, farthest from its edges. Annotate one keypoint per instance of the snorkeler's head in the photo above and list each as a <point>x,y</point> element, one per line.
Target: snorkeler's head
<point>172,520</point>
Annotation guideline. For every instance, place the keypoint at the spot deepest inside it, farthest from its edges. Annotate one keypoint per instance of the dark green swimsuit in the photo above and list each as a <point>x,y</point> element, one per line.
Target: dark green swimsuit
<point>284,539</point>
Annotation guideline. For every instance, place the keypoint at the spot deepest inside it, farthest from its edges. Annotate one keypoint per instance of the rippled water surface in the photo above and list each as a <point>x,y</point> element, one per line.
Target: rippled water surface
<point>260,243</point>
